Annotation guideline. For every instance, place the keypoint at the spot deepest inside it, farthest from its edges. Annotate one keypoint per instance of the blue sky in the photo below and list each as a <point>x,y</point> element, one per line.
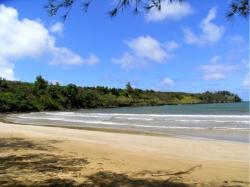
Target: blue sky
<point>190,47</point>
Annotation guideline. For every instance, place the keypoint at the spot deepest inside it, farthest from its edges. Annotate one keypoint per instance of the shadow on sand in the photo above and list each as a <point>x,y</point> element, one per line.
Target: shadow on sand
<point>24,162</point>
<point>99,179</point>
<point>15,144</point>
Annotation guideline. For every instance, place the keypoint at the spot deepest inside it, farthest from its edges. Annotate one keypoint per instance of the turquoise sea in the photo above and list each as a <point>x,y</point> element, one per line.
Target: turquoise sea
<point>225,121</point>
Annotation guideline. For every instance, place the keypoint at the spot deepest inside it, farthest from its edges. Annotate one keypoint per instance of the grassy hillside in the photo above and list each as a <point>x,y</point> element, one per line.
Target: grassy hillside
<point>18,96</point>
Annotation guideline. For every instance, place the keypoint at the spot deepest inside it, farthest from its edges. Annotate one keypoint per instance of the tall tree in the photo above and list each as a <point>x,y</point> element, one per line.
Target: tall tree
<point>129,88</point>
<point>3,84</point>
<point>40,85</point>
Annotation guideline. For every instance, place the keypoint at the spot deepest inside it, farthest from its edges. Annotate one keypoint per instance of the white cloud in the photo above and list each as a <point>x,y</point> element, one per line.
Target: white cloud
<point>171,45</point>
<point>64,56</point>
<point>28,38</point>
<point>142,51</point>
<point>21,38</point>
<point>174,11</point>
<point>210,32</point>
<point>216,70</point>
<point>91,60</point>
<point>167,82</point>
<point>57,28</point>
<point>213,72</point>
<point>6,70</point>
<point>126,61</point>
<point>148,48</point>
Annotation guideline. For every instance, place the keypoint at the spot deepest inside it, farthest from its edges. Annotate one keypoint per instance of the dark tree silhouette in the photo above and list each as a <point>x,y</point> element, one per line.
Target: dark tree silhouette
<point>237,7</point>
<point>240,7</point>
<point>129,87</point>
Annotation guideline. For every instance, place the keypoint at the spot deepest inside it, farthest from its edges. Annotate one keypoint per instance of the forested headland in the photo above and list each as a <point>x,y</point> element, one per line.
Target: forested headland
<point>16,96</point>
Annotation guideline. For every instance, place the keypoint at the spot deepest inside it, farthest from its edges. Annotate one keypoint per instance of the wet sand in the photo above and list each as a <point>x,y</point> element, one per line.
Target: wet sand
<point>46,156</point>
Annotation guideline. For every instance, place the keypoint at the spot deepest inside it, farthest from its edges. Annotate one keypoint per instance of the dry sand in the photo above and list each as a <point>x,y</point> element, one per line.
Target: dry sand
<point>46,156</point>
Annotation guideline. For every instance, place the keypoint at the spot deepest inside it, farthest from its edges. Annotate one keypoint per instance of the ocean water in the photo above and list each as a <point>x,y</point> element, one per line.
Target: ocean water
<point>226,121</point>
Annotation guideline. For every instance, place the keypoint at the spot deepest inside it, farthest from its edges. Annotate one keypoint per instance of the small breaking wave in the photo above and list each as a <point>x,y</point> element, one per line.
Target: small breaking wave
<point>132,120</point>
<point>144,115</point>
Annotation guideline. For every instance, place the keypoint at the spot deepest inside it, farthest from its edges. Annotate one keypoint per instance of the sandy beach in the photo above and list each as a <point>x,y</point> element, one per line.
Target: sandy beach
<point>43,156</point>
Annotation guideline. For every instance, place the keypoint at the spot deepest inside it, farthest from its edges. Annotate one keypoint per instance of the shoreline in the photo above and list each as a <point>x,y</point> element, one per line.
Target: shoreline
<point>131,131</point>
<point>211,163</point>
<point>125,131</point>
<point>12,118</point>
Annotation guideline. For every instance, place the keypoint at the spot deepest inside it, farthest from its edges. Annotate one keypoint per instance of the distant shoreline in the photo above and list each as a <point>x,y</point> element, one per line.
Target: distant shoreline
<point>116,107</point>
<point>17,96</point>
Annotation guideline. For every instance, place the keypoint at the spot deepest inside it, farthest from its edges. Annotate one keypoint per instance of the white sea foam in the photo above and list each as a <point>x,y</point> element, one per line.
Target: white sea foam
<point>134,118</point>
<point>141,122</point>
<point>193,128</point>
<point>171,127</point>
<point>144,115</point>
<point>206,120</point>
<point>220,124</point>
<point>118,118</point>
<point>162,122</point>
<point>73,120</point>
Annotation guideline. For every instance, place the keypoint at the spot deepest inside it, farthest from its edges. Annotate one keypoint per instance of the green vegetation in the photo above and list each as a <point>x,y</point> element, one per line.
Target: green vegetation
<point>18,96</point>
